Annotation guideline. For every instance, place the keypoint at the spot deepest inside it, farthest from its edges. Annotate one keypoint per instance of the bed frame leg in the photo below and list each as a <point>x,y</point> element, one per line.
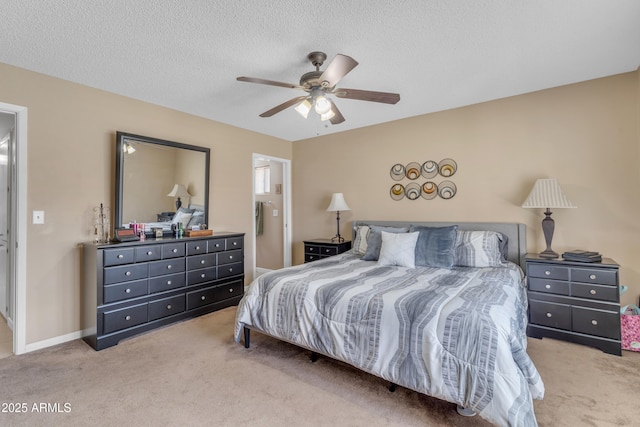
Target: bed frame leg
<point>247,337</point>
<point>314,356</point>
<point>392,387</point>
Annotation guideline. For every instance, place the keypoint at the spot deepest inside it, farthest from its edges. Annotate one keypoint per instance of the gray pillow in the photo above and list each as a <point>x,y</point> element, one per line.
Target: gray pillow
<point>435,247</point>
<point>374,241</point>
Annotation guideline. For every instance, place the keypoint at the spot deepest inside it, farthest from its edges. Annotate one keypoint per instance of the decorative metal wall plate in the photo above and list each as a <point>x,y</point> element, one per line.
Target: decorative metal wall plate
<point>413,170</point>
<point>412,191</point>
<point>447,167</point>
<point>447,189</point>
<point>429,190</point>
<point>397,172</point>
<point>397,191</point>
<point>429,169</point>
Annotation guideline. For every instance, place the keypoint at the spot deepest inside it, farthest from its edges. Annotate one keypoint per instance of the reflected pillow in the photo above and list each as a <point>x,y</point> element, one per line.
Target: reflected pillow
<point>478,249</point>
<point>435,246</point>
<point>374,241</point>
<point>197,218</point>
<point>398,249</point>
<point>182,217</point>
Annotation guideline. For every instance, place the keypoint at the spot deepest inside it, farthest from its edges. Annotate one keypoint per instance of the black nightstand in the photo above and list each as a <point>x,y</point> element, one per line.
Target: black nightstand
<point>323,248</point>
<point>574,301</point>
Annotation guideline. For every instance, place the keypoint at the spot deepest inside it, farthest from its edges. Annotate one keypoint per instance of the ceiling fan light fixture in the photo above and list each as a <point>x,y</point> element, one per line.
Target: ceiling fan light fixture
<point>327,116</point>
<point>303,108</point>
<point>322,105</point>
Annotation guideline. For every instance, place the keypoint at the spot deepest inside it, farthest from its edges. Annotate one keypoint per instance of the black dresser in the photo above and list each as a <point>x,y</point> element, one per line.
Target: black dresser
<point>323,248</point>
<point>574,301</point>
<point>129,288</point>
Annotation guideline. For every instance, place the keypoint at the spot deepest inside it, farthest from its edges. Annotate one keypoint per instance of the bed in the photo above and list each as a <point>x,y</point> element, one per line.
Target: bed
<point>437,307</point>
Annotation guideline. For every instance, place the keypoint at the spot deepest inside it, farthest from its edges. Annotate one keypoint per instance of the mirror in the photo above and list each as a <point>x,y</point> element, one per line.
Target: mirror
<point>147,172</point>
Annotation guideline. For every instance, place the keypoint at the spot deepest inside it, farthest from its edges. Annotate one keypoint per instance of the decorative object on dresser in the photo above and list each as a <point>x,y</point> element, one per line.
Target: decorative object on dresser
<point>574,301</point>
<point>323,248</point>
<point>582,256</point>
<point>179,191</point>
<point>338,204</point>
<point>546,194</point>
<point>135,287</point>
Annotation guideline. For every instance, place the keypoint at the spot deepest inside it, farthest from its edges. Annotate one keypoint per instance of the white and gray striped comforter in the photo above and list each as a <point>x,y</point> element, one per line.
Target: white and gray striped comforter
<point>458,335</point>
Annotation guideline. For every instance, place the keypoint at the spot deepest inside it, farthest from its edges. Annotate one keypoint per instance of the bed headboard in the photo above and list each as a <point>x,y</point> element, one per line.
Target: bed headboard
<point>517,246</point>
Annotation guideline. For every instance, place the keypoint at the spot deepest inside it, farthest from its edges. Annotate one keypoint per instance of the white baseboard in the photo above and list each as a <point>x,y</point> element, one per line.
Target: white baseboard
<point>53,341</point>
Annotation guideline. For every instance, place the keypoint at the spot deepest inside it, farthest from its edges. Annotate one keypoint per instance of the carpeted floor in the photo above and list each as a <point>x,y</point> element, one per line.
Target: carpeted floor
<point>194,374</point>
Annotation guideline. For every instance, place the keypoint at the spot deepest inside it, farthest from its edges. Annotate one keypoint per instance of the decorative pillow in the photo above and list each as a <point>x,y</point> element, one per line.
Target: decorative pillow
<point>478,249</point>
<point>374,241</point>
<point>360,242</point>
<point>398,249</point>
<point>181,216</point>
<point>435,247</point>
<point>197,218</point>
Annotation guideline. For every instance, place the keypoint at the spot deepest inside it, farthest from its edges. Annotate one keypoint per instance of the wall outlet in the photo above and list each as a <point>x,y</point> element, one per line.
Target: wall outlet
<point>275,212</point>
<point>38,217</point>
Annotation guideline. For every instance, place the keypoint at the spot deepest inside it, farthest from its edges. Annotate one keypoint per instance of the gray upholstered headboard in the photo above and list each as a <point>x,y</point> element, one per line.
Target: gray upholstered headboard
<point>516,233</point>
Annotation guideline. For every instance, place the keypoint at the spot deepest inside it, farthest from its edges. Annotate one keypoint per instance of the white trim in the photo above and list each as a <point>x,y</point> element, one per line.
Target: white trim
<point>20,235</point>
<point>54,341</point>
<point>286,208</point>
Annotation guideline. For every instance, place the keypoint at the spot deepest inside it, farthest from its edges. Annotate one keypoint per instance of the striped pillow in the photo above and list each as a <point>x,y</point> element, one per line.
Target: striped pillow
<point>478,249</point>
<point>360,242</point>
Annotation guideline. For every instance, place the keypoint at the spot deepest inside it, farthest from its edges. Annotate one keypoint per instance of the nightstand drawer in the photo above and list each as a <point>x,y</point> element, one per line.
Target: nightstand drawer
<point>596,292</point>
<point>549,286</point>
<point>312,249</point>
<point>548,272</point>
<point>588,275</point>
<point>550,314</point>
<point>311,257</point>
<point>596,322</point>
<point>328,250</point>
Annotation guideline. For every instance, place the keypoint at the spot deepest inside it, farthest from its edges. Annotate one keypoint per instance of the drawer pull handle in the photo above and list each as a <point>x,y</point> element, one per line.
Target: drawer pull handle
<point>120,256</point>
<point>548,286</point>
<point>202,262</point>
<point>592,292</point>
<point>197,248</point>
<point>547,272</point>
<point>217,245</point>
<point>235,243</point>
<point>168,306</point>
<point>203,298</point>
<point>548,314</point>
<point>128,273</point>
<point>230,270</point>
<point>149,253</point>
<point>203,275</point>
<point>230,290</point>
<point>175,251</point>
<point>592,276</point>
<point>230,256</point>
<point>310,249</point>
<point>168,282</point>
<point>127,318</point>
<point>594,322</point>
<point>169,267</point>
<point>127,291</point>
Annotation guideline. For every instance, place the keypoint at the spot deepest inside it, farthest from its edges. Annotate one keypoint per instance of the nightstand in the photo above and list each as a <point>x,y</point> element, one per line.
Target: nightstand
<point>322,248</point>
<point>574,301</point>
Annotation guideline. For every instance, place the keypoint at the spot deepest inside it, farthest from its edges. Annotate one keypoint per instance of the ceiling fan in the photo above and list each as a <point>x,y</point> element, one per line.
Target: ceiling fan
<point>318,84</point>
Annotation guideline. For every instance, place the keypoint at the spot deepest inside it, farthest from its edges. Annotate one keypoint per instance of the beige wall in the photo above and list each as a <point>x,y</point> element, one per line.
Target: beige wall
<point>71,144</point>
<point>586,135</point>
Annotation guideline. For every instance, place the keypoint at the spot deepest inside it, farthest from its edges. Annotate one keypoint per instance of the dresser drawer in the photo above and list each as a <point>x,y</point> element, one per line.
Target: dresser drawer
<point>197,247</point>
<point>550,314</point>
<point>166,307</point>
<point>596,322</point>
<point>160,268</point>
<point>596,292</point>
<point>195,277</point>
<point>165,283</point>
<point>217,245</point>
<point>201,261</point>
<point>173,250</point>
<point>125,273</point>
<point>227,270</point>
<point>124,318</point>
<point>229,257</point>
<point>548,286</point>
<point>125,290</point>
<point>118,256</point>
<point>148,253</point>
<point>548,271</point>
<point>233,243</point>
<point>214,294</point>
<point>600,276</point>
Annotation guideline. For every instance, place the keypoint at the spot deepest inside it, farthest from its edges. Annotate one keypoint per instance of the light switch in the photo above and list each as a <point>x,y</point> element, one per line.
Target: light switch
<point>275,212</point>
<point>38,217</point>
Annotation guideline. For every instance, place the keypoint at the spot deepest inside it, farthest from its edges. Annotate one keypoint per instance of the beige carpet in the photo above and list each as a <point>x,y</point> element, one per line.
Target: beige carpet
<point>194,374</point>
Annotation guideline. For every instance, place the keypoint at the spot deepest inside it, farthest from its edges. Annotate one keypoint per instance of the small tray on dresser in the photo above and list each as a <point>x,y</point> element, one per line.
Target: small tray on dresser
<point>198,233</point>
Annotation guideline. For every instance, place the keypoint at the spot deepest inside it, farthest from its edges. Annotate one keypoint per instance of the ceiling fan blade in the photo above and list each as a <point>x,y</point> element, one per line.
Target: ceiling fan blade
<point>268,82</point>
<point>367,95</point>
<point>283,106</point>
<point>338,117</point>
<point>337,69</point>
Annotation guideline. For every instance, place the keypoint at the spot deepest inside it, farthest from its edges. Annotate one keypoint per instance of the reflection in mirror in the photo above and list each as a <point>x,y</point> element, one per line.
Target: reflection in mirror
<point>147,173</point>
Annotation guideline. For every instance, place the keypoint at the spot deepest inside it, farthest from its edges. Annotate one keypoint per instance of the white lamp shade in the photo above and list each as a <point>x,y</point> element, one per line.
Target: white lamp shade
<point>338,203</point>
<point>546,193</point>
<point>303,108</point>
<point>179,190</point>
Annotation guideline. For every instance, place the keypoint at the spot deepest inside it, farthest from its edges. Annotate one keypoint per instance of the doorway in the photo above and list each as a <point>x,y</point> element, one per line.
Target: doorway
<point>272,205</point>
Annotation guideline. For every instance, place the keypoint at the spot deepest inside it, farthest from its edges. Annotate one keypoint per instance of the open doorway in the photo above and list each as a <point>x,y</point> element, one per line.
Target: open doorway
<point>272,204</point>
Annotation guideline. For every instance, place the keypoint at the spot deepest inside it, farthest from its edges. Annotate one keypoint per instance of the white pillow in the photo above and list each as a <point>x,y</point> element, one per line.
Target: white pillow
<point>182,217</point>
<point>398,249</point>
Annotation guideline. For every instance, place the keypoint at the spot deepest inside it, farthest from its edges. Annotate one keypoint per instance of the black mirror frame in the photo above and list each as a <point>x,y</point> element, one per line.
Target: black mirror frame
<point>120,137</point>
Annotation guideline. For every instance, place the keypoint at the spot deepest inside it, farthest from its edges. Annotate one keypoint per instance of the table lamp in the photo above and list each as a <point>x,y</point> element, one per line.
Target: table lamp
<point>338,204</point>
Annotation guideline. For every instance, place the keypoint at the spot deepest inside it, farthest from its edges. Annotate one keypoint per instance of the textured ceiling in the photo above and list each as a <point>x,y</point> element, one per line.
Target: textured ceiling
<point>437,55</point>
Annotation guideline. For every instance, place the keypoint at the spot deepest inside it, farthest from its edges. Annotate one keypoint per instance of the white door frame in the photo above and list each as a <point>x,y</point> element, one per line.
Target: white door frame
<point>286,208</point>
<point>19,230</point>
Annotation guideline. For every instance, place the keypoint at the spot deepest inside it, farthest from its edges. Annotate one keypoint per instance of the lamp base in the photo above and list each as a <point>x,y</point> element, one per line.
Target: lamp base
<point>337,238</point>
<point>548,254</point>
